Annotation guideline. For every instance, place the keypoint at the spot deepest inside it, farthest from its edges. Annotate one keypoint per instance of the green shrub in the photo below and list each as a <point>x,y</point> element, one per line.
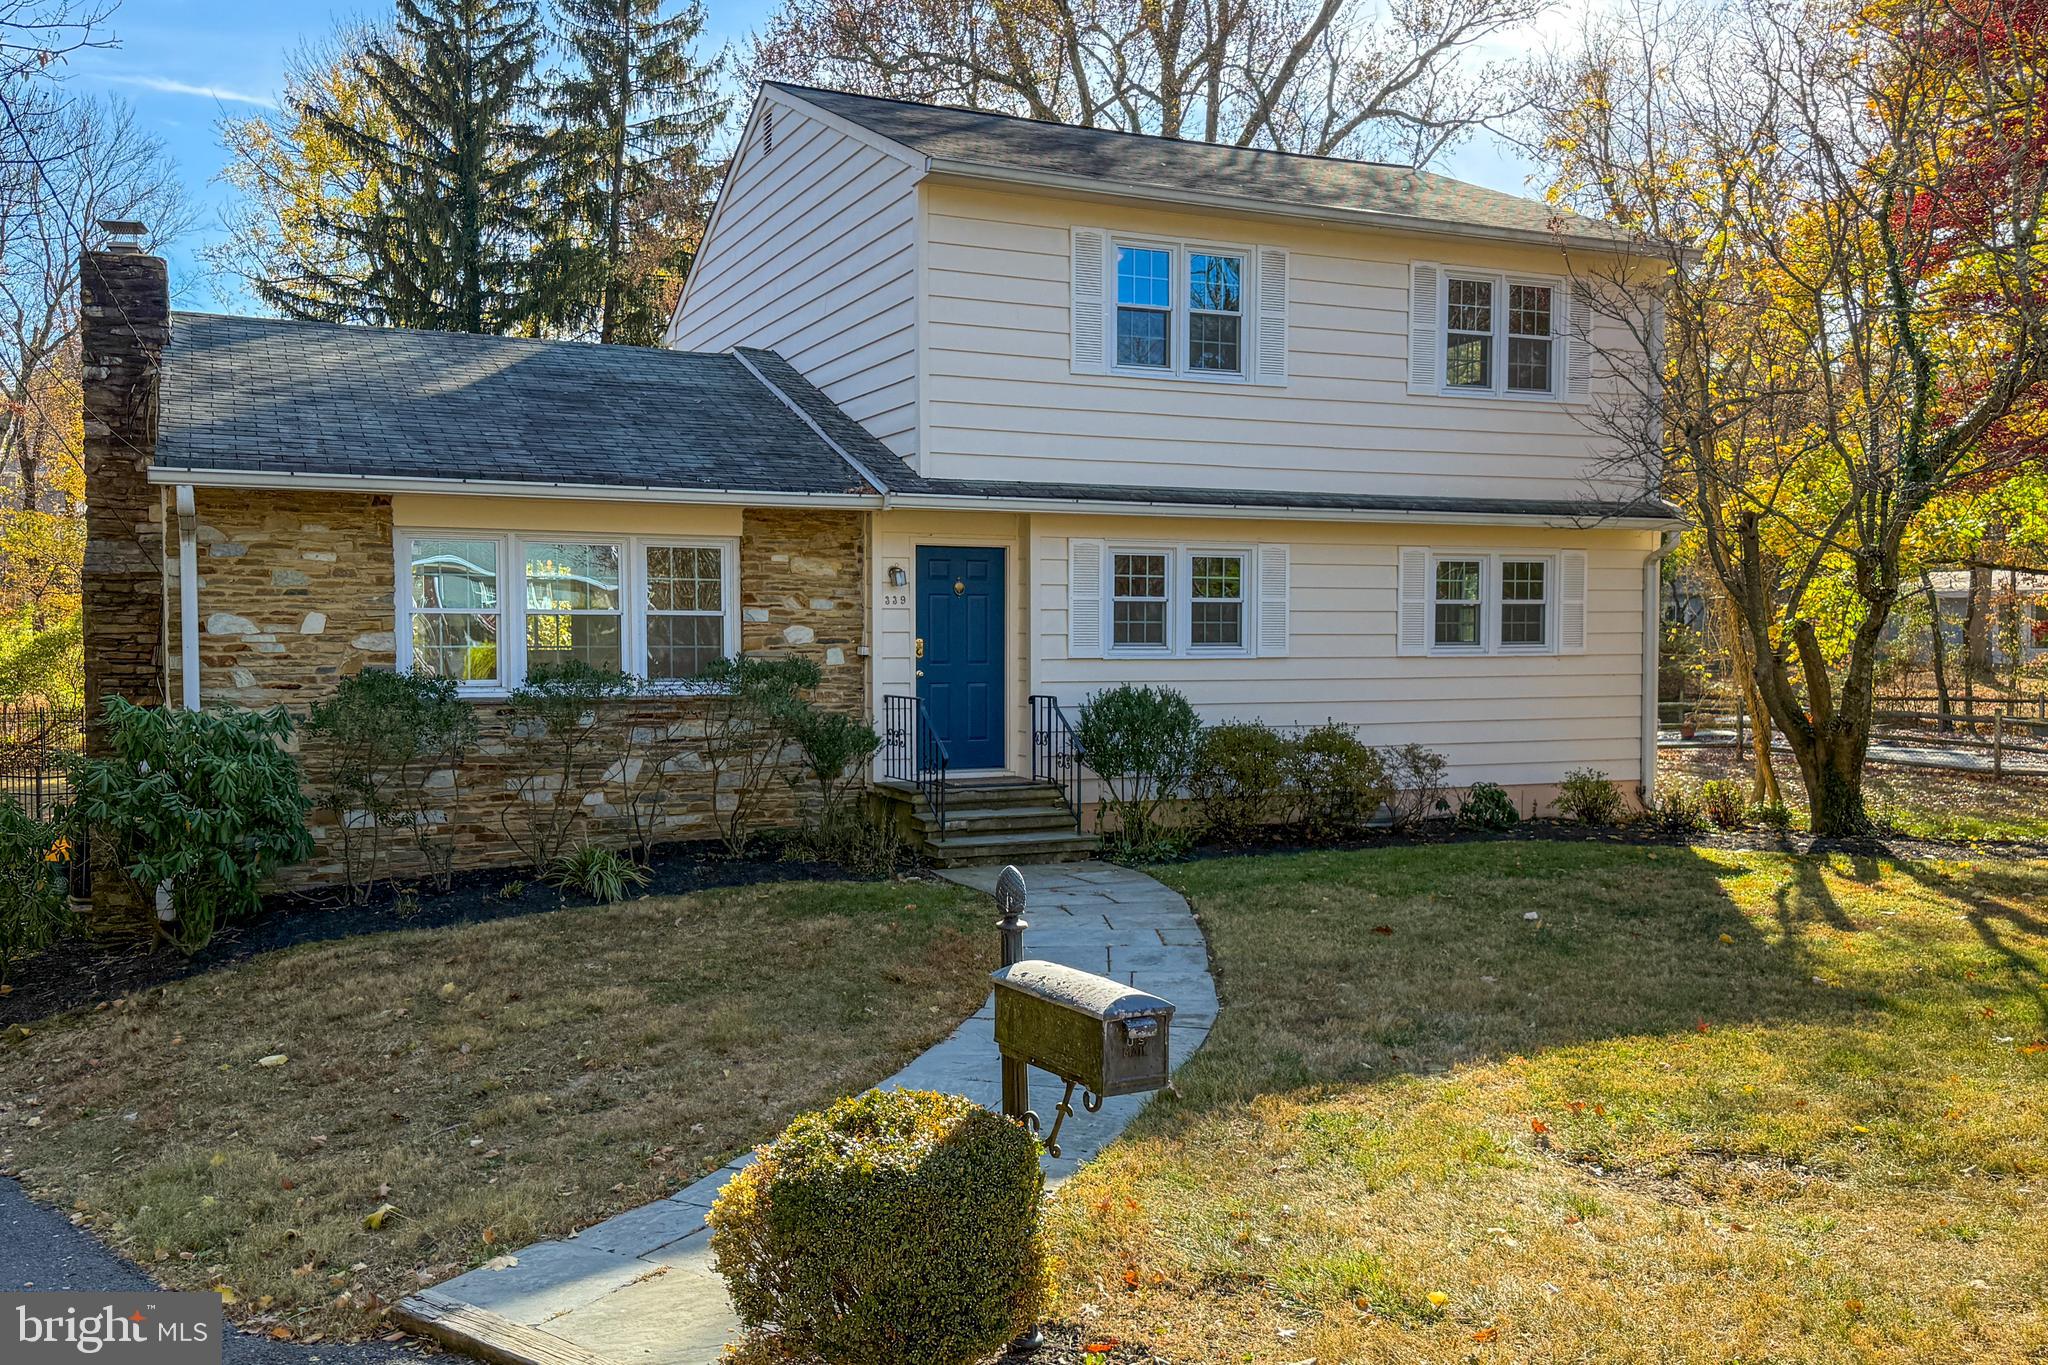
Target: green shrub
<point>863,842</point>
<point>1417,775</point>
<point>1141,742</point>
<point>567,730</point>
<point>602,874</point>
<point>34,908</point>
<point>1587,796</point>
<point>1723,802</point>
<point>1339,783</point>
<point>833,751</point>
<point>1775,816</point>
<point>382,743</point>
<point>895,1228</point>
<point>1487,806</point>
<point>1240,779</point>
<point>750,712</point>
<point>1677,812</point>
<point>205,804</point>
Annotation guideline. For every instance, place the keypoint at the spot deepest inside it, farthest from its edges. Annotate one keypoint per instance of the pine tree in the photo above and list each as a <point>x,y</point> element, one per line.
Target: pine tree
<point>632,111</point>
<point>444,236</point>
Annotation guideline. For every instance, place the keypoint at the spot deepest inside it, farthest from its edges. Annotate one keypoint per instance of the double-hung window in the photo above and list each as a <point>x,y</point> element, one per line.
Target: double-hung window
<point>1179,600</point>
<point>452,596</point>
<point>575,607</point>
<point>1179,309</point>
<point>686,612</point>
<point>1139,605</point>
<point>1216,601</point>
<point>1460,601</point>
<point>1500,335</point>
<point>487,610</point>
<point>1524,604</point>
<point>1488,603</point>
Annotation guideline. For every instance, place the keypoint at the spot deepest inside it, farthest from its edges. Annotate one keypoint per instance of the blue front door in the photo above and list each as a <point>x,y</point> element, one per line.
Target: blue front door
<point>960,676</point>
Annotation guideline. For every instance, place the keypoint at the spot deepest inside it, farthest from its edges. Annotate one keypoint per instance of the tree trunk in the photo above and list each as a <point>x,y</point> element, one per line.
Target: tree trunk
<point>1940,644</point>
<point>1977,624</point>
<point>1834,789</point>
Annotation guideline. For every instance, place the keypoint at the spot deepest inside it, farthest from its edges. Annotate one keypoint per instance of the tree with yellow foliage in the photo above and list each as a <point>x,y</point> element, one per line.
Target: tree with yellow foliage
<point>1840,284</point>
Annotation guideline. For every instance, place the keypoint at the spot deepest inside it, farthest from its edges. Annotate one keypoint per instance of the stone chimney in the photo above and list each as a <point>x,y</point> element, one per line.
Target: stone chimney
<point>126,304</point>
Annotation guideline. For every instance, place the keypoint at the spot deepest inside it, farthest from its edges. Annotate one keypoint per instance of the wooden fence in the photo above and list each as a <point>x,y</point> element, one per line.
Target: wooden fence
<point>2004,733</point>
<point>35,744</point>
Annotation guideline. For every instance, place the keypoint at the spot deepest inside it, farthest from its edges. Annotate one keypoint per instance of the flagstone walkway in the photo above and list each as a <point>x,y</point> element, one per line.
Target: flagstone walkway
<point>638,1289</point>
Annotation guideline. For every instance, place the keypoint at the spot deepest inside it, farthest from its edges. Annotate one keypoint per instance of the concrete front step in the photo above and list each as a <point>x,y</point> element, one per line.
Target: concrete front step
<point>970,850</point>
<point>984,820</point>
<point>992,822</point>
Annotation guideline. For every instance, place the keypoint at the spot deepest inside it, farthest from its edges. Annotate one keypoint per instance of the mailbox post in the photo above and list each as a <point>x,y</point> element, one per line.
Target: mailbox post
<point>1010,900</point>
<point>1089,1031</point>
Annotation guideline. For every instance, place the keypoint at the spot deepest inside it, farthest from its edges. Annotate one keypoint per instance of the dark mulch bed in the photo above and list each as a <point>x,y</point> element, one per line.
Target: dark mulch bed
<point>78,971</point>
<point>1642,834</point>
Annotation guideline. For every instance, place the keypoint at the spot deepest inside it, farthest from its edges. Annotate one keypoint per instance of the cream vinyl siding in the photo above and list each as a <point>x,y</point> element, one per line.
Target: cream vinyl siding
<point>813,254</point>
<point>1001,399</point>
<point>1508,718</point>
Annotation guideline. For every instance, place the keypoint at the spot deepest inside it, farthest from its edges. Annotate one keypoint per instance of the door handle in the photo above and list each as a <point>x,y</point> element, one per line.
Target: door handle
<point>920,673</point>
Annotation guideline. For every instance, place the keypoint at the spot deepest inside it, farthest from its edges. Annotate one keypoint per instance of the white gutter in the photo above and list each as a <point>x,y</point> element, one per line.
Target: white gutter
<point>188,596</point>
<point>952,502</point>
<point>1653,632</point>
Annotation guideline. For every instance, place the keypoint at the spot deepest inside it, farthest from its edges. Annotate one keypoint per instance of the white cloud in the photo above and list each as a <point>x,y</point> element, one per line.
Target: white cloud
<point>164,85</point>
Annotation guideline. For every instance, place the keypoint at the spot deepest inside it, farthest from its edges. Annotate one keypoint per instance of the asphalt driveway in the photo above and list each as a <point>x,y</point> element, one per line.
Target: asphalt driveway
<point>40,1250</point>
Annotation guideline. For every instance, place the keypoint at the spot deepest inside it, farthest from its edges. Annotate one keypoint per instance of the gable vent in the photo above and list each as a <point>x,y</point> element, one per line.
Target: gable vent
<point>768,129</point>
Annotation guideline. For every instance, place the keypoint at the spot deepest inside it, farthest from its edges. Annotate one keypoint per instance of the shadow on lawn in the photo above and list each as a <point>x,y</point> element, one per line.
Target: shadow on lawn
<point>2000,920</point>
<point>1339,969</point>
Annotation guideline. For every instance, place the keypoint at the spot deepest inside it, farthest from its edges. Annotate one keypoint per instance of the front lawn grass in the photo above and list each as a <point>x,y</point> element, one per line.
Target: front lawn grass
<point>496,1083</point>
<point>1920,803</point>
<point>1706,1106</point>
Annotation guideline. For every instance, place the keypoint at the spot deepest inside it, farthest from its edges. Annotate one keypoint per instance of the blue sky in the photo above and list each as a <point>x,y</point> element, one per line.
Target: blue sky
<point>186,64</point>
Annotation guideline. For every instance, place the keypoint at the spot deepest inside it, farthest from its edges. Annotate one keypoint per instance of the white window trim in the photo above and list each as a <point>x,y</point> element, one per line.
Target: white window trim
<point>512,597</point>
<point>1180,592</point>
<point>1490,562</point>
<point>1560,312</point>
<point>1179,249</point>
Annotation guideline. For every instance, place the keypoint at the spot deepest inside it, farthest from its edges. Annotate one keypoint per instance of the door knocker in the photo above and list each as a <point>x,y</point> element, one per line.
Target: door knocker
<point>959,588</point>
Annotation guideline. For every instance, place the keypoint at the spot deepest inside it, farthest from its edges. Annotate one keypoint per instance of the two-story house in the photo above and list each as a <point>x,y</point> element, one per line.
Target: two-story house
<point>1303,438</point>
<point>980,413</point>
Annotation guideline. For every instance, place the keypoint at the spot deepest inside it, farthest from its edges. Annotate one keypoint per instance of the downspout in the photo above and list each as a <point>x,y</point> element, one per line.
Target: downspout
<point>1652,638</point>
<point>188,597</point>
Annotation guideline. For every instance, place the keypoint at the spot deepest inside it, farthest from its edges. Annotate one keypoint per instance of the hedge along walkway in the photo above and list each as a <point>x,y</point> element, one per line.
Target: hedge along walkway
<point>639,1289</point>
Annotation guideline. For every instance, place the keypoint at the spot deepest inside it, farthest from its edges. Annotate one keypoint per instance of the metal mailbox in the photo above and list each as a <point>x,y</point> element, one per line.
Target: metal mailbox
<point>1108,1038</point>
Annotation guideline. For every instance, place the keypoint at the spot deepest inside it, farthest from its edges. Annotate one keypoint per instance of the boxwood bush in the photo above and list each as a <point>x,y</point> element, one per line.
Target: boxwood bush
<point>895,1228</point>
<point>1339,782</point>
<point>1240,781</point>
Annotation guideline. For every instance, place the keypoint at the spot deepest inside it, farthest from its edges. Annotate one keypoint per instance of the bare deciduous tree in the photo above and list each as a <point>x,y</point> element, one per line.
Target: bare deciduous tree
<point>1328,77</point>
<point>1841,211</point>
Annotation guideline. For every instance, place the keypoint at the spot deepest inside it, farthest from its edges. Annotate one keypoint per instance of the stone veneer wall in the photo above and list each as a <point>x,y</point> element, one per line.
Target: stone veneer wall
<point>297,590</point>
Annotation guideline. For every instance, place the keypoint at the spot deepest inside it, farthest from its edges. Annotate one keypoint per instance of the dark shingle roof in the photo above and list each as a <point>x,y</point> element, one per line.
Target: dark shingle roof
<point>261,394</point>
<point>1030,147</point>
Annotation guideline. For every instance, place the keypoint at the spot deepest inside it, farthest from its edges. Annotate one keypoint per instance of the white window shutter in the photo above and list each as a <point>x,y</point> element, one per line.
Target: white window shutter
<point>1084,599</point>
<point>1273,598</point>
<point>1090,324</point>
<point>1412,633</point>
<point>1425,341</point>
<point>1270,361</point>
<point>1571,602</point>
<point>1578,365</point>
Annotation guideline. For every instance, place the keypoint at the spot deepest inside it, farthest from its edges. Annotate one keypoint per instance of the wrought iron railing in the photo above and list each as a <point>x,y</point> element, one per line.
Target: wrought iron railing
<point>912,752</point>
<point>36,743</point>
<point>1056,755</point>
